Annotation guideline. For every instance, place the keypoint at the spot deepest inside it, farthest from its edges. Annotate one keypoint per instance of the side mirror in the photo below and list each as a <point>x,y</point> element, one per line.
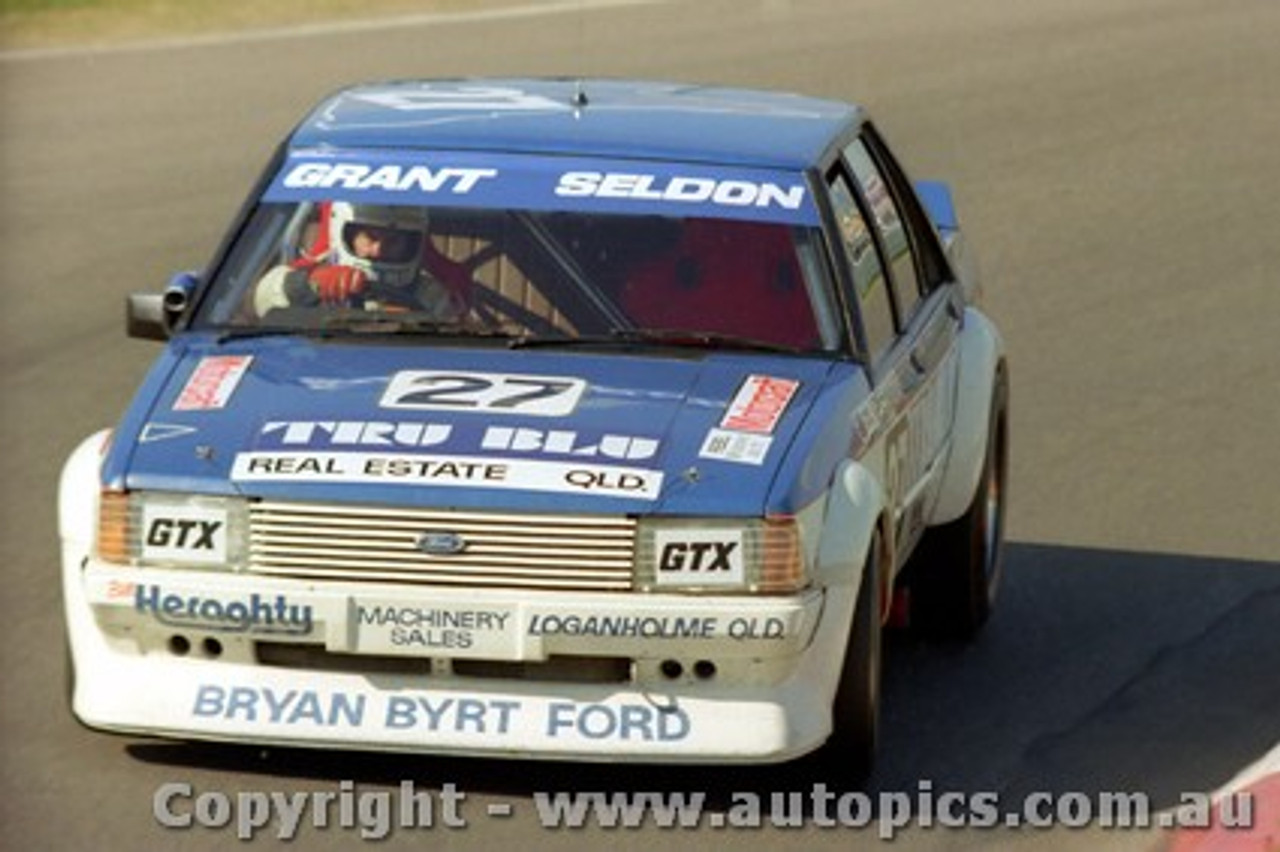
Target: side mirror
<point>153,316</point>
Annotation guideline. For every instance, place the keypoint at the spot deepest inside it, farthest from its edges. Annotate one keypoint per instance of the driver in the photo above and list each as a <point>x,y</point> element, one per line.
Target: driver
<point>376,257</point>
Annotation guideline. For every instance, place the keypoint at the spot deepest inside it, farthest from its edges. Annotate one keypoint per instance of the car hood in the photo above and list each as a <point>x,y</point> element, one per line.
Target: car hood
<point>459,426</point>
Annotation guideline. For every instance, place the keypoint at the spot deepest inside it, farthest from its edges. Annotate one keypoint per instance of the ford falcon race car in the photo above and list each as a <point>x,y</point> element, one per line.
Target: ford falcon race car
<point>596,420</point>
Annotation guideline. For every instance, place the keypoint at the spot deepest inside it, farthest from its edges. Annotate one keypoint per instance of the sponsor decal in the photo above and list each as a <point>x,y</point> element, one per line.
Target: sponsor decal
<point>738,447</point>
<point>465,471</point>
<point>184,533</point>
<point>389,627</point>
<point>497,393</point>
<point>120,589</point>
<point>394,178</point>
<point>298,707</point>
<point>568,443</point>
<point>328,434</point>
<point>681,190</point>
<point>681,627</point>
<point>699,557</point>
<point>212,382</point>
<point>624,626</point>
<point>866,428</point>
<point>759,404</point>
<point>529,182</point>
<point>425,712</point>
<point>410,435</point>
<point>495,632</point>
<point>257,614</point>
<point>626,722</point>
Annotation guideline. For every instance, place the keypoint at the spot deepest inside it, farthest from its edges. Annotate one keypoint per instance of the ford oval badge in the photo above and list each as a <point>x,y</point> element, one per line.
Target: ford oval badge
<point>441,543</point>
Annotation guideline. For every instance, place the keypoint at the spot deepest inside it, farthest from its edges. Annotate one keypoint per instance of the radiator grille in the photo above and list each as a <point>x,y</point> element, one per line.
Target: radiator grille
<point>530,551</point>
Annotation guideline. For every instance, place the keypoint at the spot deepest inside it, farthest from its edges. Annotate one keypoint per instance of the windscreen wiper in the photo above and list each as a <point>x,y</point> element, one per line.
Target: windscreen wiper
<point>679,337</point>
<point>362,324</point>
<point>246,332</point>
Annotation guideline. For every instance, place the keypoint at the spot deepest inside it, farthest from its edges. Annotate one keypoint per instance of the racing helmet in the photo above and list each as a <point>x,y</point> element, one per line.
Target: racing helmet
<point>397,232</point>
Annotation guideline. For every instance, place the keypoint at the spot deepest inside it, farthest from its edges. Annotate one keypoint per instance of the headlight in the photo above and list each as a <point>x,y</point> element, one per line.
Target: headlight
<point>719,555</point>
<point>147,528</point>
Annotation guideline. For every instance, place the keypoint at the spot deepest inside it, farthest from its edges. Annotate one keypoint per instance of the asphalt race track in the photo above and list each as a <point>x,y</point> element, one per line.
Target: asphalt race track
<point>1116,164</point>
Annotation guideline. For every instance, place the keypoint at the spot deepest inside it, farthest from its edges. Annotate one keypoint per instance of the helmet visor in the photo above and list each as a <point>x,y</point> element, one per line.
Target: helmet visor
<point>380,243</point>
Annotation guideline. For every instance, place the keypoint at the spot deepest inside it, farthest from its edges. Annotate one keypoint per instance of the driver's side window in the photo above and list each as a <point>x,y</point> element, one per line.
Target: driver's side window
<point>871,291</point>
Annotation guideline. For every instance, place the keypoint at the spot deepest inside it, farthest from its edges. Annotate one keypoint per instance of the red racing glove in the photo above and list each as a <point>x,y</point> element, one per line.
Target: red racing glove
<point>335,285</point>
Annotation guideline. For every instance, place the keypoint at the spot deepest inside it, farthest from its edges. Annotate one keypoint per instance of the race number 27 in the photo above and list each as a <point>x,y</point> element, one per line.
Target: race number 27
<point>542,396</point>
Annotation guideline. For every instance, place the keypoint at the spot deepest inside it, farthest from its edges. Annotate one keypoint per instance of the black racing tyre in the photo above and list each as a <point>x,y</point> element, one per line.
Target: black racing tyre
<point>856,710</point>
<point>956,570</point>
<point>68,676</point>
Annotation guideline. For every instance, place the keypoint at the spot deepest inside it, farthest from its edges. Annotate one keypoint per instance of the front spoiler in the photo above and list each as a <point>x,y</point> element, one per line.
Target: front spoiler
<point>247,705</point>
<point>128,684</point>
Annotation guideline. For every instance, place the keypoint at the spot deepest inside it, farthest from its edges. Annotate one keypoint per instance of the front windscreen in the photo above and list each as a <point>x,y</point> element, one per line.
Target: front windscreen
<point>599,254</point>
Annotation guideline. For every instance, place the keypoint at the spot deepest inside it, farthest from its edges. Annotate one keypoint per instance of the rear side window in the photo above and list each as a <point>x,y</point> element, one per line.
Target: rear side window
<point>889,223</point>
<point>870,288</point>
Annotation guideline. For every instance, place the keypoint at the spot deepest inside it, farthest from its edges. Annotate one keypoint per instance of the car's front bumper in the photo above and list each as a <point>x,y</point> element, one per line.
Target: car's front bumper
<point>396,668</point>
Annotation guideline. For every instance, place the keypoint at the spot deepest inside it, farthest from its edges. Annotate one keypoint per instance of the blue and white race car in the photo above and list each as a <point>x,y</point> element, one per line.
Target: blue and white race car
<point>598,420</point>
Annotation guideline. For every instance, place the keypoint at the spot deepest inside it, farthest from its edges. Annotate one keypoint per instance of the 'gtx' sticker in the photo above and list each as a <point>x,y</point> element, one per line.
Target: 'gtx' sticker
<point>699,557</point>
<point>189,533</point>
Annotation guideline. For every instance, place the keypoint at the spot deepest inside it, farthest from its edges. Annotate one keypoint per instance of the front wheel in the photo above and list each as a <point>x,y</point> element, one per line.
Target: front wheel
<point>856,711</point>
<point>956,569</point>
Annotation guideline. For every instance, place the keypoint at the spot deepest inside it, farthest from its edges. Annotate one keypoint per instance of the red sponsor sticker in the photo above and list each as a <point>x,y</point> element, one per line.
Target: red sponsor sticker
<point>212,382</point>
<point>117,589</point>
<point>759,404</point>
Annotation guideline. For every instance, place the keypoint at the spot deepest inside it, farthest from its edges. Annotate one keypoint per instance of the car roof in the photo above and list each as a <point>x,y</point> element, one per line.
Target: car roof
<point>629,119</point>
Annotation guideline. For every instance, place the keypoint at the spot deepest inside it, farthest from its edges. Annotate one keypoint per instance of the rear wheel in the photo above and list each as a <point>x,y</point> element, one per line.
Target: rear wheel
<point>856,712</point>
<point>956,569</point>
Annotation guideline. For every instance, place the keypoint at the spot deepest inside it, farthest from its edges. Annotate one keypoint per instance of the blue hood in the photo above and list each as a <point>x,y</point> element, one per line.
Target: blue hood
<point>473,427</point>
